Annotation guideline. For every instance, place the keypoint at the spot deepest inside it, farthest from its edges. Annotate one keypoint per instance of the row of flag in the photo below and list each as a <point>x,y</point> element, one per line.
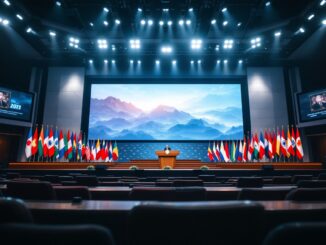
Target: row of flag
<point>268,146</point>
<point>55,145</point>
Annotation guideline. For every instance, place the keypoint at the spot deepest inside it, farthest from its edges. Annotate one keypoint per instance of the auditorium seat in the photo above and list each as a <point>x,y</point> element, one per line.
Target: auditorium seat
<point>322,176</point>
<point>282,180</point>
<point>31,190</point>
<point>54,179</point>
<point>152,193</point>
<point>70,192</point>
<point>18,234</point>
<point>14,210</point>
<point>301,233</point>
<point>250,182</point>
<point>108,179</point>
<point>195,223</point>
<point>307,194</point>
<point>12,175</point>
<point>66,178</point>
<point>164,183</point>
<point>296,178</point>
<point>69,183</point>
<point>311,183</point>
<point>194,182</point>
<point>113,184</point>
<point>86,180</point>
<point>189,194</point>
<point>258,194</point>
<point>207,178</point>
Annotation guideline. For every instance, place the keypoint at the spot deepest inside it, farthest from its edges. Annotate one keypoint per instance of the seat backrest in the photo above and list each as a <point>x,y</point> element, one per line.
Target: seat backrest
<point>195,223</point>
<point>297,233</point>
<point>307,194</point>
<point>296,178</point>
<point>250,182</point>
<point>51,178</point>
<point>282,180</point>
<point>69,192</point>
<point>54,234</point>
<point>31,190</point>
<point>190,182</point>
<point>14,210</point>
<point>322,176</point>
<point>311,184</point>
<point>152,193</point>
<point>190,194</point>
<point>258,194</point>
<point>207,178</point>
<point>87,180</point>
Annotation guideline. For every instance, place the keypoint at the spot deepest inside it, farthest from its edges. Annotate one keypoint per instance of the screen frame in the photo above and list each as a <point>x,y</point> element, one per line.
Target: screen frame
<point>31,111</point>
<point>89,80</point>
<point>299,106</point>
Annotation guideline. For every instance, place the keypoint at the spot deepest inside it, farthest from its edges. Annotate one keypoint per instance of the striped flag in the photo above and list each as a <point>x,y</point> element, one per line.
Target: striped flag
<point>34,142</point>
<point>28,147</point>
<point>56,144</point>
<point>62,145</point>
<point>299,151</point>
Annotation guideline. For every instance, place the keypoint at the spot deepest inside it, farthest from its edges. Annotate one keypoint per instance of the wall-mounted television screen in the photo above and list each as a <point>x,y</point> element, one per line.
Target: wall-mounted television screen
<point>15,105</point>
<point>312,105</point>
<point>166,112</point>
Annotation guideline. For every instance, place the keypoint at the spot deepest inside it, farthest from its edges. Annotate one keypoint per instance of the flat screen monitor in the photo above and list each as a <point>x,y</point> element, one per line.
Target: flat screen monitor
<point>312,105</point>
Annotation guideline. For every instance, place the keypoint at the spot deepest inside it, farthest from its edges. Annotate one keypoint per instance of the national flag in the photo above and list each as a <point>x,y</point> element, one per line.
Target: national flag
<point>115,153</point>
<point>87,152</point>
<point>50,143</point>
<point>62,145</point>
<point>223,154</point>
<point>278,143</point>
<point>283,145</point>
<point>28,147</point>
<point>266,143</point>
<point>106,152</point>
<point>233,151</point>
<point>293,141</point>
<point>244,150</point>
<point>103,153</point>
<point>240,152</point>
<point>209,153</point>
<point>56,144</point>
<point>79,147</point>
<point>93,152</point>
<point>110,152</point>
<point>299,150</point>
<point>34,142</point>
<point>251,149</point>
<point>74,147</point>
<point>289,147</point>
<point>41,143</point>
<point>217,152</point>
<point>227,152</point>
<point>256,147</point>
<point>261,146</point>
<point>214,150</point>
<point>45,143</point>
<point>69,146</point>
<point>84,147</point>
<point>270,146</point>
<point>98,149</point>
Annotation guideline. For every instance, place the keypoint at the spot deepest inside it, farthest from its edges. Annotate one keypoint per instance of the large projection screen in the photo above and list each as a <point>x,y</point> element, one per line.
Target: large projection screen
<point>166,112</point>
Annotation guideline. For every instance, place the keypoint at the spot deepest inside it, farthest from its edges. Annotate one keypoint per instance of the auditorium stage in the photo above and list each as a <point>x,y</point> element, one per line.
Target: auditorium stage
<point>154,165</point>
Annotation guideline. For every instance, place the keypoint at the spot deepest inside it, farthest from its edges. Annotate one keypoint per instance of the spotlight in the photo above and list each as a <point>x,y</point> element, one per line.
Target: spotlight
<point>90,61</point>
<point>322,3</point>
<point>105,23</point>
<point>225,61</point>
<point>255,42</point>
<point>228,44</point>
<point>217,47</point>
<point>188,22</point>
<point>117,22</point>
<point>310,17</point>
<point>91,24</point>
<point>6,2</point>
<point>131,61</point>
<point>166,49</point>
<point>113,61</point>
<point>224,10</point>
<point>19,16</point>
<point>113,47</point>
<point>102,43</point>
<point>218,61</point>
<point>134,43</point>
<point>139,61</point>
<point>161,22</point>
<point>52,33</point>
<point>165,10</point>
<point>240,61</point>
<point>58,3</point>
<point>191,62</point>
<point>302,30</point>
<point>174,62</point>
<point>29,30</point>
<point>142,22</point>
<point>5,22</point>
<point>74,42</point>
<point>191,10</point>
<point>170,23</point>
<point>324,22</point>
<point>181,22</point>
<point>139,10</point>
<point>277,34</point>
<point>157,62</point>
<point>213,22</point>
<point>225,23</point>
<point>196,44</point>
<point>105,61</point>
<point>267,3</point>
<point>239,24</point>
<point>198,61</point>
<point>150,22</point>
<point>106,9</point>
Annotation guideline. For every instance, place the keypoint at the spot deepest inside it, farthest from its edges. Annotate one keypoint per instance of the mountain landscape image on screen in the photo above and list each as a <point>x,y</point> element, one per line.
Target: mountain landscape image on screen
<point>116,115</point>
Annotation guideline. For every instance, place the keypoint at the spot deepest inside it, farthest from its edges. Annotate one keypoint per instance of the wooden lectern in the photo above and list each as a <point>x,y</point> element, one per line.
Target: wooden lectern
<point>167,159</point>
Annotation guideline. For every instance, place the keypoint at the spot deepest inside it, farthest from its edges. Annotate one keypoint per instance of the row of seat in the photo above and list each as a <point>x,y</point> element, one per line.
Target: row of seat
<point>163,223</point>
<point>46,191</point>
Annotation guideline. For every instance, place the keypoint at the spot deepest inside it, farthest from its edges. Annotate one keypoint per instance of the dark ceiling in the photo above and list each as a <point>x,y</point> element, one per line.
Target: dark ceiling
<point>73,18</point>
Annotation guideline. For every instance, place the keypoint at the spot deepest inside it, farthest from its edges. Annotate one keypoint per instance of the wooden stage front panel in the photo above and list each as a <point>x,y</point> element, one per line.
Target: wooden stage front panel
<point>155,165</point>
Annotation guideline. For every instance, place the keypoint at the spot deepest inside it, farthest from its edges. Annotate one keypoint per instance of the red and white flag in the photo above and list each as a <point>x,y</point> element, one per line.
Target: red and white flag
<point>299,151</point>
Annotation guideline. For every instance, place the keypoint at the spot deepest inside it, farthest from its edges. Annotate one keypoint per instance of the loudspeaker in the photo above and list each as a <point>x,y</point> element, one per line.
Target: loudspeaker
<point>100,167</point>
